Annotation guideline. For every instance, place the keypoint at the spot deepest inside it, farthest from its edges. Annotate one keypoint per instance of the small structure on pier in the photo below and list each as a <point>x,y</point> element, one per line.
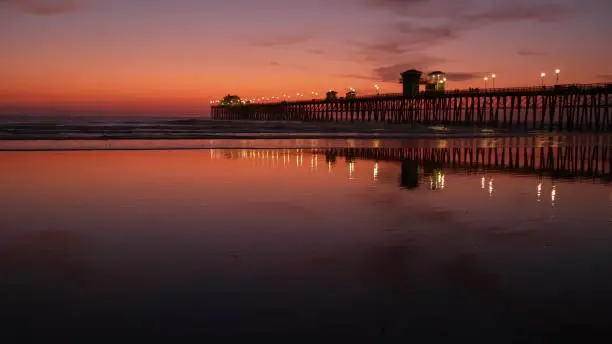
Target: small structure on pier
<point>436,82</point>
<point>351,94</point>
<point>231,100</point>
<point>331,95</point>
<point>411,79</point>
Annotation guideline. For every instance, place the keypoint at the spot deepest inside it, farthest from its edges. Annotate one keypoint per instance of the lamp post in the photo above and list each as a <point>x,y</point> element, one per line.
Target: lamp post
<point>377,89</point>
<point>493,76</point>
<point>557,72</point>
<point>485,80</point>
<point>542,78</point>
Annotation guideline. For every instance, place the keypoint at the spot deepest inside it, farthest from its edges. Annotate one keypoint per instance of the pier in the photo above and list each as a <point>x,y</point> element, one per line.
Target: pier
<point>569,108</point>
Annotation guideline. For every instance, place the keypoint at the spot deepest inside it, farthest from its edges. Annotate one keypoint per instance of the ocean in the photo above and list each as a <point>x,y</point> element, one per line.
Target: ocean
<point>185,228</point>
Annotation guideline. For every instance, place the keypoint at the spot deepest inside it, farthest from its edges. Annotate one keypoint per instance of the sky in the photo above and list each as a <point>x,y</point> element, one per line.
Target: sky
<point>174,56</point>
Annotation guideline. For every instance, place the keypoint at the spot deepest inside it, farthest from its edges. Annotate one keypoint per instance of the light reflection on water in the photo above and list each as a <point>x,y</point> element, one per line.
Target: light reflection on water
<point>228,242</point>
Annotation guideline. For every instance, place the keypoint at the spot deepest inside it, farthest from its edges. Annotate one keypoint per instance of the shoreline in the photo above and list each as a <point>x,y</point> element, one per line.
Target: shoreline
<point>198,129</point>
<point>276,136</point>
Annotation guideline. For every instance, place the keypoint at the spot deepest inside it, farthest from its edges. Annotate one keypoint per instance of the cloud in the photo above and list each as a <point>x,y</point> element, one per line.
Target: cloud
<point>388,47</point>
<point>450,21</point>
<point>356,76</point>
<point>416,8</point>
<point>274,63</point>
<point>605,77</point>
<point>395,3</point>
<point>464,76</point>
<point>283,41</point>
<point>391,73</point>
<point>414,36</point>
<point>530,52</point>
<point>537,13</point>
<point>316,51</point>
<point>43,7</point>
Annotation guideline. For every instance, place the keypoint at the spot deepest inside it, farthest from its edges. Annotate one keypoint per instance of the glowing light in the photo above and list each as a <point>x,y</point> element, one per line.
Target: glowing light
<point>491,187</point>
<point>482,182</point>
<point>539,191</point>
<point>493,76</point>
<point>439,180</point>
<point>553,195</point>
<point>543,75</point>
<point>557,71</point>
<point>351,167</point>
<point>375,173</point>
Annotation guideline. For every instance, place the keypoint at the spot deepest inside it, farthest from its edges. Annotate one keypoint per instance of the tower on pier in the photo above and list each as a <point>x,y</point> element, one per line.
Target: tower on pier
<point>436,82</point>
<point>411,79</point>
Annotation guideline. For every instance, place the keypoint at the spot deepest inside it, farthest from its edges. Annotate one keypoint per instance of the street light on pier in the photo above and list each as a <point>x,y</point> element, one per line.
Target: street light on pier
<point>542,76</point>
<point>485,80</point>
<point>557,72</point>
<point>377,89</point>
<point>493,76</point>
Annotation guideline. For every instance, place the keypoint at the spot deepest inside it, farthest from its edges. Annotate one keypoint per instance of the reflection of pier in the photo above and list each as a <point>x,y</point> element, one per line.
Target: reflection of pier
<point>556,162</point>
<point>576,156</point>
<point>562,107</point>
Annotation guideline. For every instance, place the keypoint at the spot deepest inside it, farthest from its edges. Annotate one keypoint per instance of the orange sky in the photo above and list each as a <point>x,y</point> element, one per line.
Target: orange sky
<point>175,56</point>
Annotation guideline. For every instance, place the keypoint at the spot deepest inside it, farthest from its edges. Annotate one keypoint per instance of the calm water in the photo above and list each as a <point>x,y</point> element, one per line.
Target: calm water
<point>295,244</point>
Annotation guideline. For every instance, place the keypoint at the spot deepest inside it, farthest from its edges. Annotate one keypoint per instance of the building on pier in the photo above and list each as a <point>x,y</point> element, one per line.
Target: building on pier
<point>351,94</point>
<point>331,95</point>
<point>411,79</point>
<point>436,82</point>
<point>231,100</point>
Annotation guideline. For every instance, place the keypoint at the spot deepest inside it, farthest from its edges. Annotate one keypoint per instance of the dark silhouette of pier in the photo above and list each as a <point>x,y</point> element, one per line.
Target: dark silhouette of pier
<point>556,108</point>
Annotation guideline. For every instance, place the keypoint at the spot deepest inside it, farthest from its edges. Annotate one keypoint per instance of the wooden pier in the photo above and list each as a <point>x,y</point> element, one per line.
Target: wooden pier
<point>557,108</point>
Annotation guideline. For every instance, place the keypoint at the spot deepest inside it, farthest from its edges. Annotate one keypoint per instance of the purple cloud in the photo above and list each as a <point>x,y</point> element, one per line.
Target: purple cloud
<point>43,7</point>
